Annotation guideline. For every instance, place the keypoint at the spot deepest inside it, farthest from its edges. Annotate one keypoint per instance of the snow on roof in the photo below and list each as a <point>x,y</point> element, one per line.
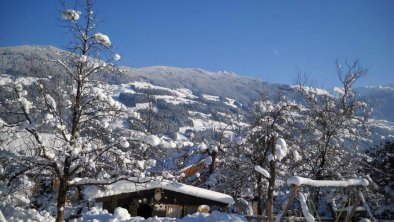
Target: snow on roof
<point>230,102</point>
<point>295,180</point>
<point>210,97</point>
<point>129,187</point>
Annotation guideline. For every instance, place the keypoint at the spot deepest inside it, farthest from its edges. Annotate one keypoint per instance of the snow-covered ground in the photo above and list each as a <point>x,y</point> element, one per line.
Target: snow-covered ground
<point>121,215</point>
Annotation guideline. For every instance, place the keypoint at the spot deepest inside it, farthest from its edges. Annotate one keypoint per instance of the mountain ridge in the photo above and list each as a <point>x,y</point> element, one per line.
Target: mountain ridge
<point>246,90</point>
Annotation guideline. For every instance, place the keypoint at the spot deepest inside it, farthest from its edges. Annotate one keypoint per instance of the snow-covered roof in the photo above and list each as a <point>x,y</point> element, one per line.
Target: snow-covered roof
<point>129,187</point>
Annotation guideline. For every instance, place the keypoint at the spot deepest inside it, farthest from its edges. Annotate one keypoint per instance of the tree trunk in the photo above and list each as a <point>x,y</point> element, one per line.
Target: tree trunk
<point>271,184</point>
<point>212,167</point>
<point>350,214</point>
<point>260,206</point>
<point>271,187</point>
<point>80,200</point>
<point>319,176</point>
<point>61,200</point>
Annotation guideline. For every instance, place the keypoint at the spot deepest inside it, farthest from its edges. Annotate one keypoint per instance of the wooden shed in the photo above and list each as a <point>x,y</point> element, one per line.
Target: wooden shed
<point>162,199</point>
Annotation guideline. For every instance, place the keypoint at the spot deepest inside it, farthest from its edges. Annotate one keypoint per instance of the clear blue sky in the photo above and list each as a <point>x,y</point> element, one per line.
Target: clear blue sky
<point>269,40</point>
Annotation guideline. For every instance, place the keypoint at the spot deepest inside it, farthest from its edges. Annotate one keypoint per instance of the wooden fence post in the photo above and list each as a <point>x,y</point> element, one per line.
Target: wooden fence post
<point>281,217</point>
<point>353,209</point>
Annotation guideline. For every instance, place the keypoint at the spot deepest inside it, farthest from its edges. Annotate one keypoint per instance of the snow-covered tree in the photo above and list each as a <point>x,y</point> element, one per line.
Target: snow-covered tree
<point>332,127</point>
<point>66,124</point>
<point>336,124</point>
<point>266,149</point>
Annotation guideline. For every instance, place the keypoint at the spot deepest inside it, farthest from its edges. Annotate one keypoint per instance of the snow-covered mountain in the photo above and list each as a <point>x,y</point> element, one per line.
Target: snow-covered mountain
<point>223,84</point>
<point>16,61</point>
<point>381,98</point>
<point>184,94</point>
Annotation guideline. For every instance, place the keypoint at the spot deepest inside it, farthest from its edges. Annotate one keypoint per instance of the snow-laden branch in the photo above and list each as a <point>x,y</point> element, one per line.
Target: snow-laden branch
<point>361,195</point>
<point>298,181</point>
<point>90,181</point>
<point>103,39</point>
<point>305,210</point>
<point>116,57</point>
<point>70,14</point>
<point>262,171</point>
<point>280,149</point>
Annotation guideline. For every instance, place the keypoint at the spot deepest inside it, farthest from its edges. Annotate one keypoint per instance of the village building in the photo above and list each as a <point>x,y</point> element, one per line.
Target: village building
<point>162,199</point>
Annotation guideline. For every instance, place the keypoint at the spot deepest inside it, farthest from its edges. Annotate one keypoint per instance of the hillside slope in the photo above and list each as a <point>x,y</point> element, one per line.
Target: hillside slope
<point>16,61</point>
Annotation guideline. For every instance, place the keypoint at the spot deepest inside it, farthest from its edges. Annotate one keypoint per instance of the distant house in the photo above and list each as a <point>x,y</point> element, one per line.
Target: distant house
<point>162,199</point>
<point>193,169</point>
